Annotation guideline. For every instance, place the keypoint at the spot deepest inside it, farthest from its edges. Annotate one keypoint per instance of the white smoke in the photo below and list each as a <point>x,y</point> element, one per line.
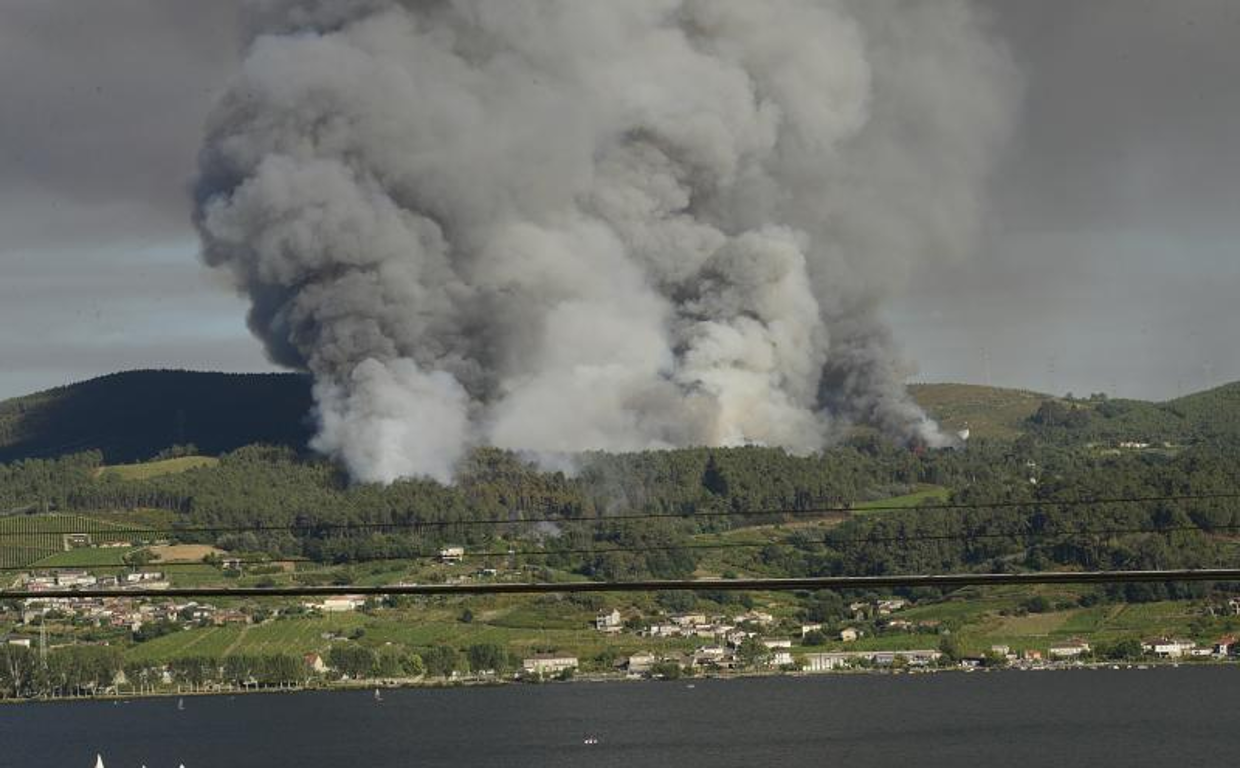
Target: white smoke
<point>561,225</point>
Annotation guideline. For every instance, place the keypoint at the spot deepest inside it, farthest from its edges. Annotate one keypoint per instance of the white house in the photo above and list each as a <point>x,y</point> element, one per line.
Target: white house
<point>848,634</point>
<point>886,607</point>
<point>315,663</point>
<point>777,643</point>
<point>75,579</point>
<point>756,617</point>
<point>609,622</point>
<point>689,619</point>
<point>807,628</point>
<point>641,663</point>
<point>548,664</point>
<point>664,630</point>
<point>1069,650</point>
<point>340,603</point>
<point>781,659</point>
<point>824,662</point>
<point>1168,648</point>
<point>451,554</point>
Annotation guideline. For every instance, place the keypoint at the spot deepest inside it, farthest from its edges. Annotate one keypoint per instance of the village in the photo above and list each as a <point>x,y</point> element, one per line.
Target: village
<point>752,640</point>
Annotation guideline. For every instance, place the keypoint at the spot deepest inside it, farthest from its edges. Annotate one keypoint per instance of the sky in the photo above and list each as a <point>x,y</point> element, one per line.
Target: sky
<point>1109,260</point>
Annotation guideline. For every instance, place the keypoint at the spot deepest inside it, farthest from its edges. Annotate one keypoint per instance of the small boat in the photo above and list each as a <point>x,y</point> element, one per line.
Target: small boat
<point>590,740</point>
<point>98,761</point>
<point>181,705</point>
<point>378,696</point>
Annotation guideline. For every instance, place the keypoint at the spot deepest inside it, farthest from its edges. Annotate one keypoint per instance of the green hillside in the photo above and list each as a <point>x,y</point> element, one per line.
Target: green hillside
<point>134,415</point>
<point>1006,414</point>
<point>1210,416</point>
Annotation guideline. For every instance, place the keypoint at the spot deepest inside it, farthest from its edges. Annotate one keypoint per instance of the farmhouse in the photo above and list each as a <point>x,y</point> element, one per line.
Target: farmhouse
<point>451,554</point>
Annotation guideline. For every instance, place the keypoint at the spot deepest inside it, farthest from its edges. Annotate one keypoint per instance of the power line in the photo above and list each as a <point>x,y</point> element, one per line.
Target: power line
<point>758,585</point>
<point>761,512</point>
<point>828,542</point>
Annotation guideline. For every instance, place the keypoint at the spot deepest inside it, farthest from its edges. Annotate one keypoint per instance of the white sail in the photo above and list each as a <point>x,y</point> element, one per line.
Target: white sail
<point>98,761</point>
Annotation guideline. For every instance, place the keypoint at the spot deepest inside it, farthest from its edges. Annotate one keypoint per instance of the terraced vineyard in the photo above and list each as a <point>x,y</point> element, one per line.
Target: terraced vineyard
<point>27,539</point>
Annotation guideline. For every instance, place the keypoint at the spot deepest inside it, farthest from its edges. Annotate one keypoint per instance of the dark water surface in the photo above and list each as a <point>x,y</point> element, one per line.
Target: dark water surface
<point>1165,717</point>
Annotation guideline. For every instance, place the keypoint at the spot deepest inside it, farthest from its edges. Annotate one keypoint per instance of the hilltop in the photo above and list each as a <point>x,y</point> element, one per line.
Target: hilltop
<point>987,412</point>
<point>134,415</point>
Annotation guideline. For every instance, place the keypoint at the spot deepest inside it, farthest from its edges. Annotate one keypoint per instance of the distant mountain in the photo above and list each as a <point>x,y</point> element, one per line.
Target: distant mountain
<point>134,415</point>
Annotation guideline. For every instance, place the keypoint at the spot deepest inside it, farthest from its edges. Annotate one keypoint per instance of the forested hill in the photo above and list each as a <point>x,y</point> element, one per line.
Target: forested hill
<point>134,415</point>
<point>1212,416</point>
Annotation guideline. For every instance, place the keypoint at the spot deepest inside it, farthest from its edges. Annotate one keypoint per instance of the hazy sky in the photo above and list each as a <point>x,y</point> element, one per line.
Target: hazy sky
<point>1110,260</point>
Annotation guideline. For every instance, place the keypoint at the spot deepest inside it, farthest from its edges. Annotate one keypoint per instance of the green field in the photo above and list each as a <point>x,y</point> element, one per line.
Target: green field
<point>149,469</point>
<point>923,494</point>
<point>105,557</point>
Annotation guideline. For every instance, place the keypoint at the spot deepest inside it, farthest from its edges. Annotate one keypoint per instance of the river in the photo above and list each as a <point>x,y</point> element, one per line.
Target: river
<point>1157,717</point>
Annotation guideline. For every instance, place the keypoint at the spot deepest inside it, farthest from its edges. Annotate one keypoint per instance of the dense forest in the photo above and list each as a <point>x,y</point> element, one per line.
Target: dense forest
<point>581,520</point>
<point>321,516</point>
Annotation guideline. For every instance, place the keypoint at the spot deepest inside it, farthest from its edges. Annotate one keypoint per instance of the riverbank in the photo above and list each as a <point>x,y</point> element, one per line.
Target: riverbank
<point>422,683</point>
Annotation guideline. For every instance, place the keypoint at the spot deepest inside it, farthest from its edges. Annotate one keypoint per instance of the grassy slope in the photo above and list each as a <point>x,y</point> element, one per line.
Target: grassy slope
<point>989,412</point>
<point>148,469</point>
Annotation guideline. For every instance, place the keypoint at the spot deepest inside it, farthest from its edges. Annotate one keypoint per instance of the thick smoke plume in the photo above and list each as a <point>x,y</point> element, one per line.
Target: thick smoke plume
<point>559,225</point>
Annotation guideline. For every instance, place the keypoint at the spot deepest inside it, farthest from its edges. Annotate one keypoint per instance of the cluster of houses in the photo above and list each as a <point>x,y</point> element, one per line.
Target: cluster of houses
<point>726,635</point>
<point>734,630</point>
<point>1177,648</point>
<point>85,580</point>
<point>128,612</point>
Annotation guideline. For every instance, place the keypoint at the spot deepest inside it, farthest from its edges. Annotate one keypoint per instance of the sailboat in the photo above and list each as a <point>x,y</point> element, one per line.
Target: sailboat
<point>181,704</point>
<point>98,761</point>
<point>378,696</point>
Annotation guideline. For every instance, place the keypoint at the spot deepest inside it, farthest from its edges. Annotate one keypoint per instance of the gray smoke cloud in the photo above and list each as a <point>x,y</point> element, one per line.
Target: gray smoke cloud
<point>561,225</point>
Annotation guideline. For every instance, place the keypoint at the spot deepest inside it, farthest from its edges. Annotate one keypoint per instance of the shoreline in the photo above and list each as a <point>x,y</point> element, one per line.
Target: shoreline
<point>414,684</point>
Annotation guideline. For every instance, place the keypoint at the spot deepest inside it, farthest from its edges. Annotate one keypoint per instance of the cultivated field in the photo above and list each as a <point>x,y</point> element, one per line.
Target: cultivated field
<point>26,539</point>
